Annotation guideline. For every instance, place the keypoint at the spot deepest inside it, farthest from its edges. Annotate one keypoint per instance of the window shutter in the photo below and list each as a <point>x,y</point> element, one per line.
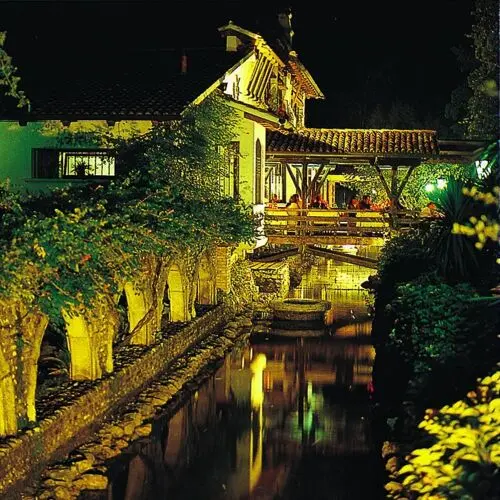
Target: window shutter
<point>45,163</point>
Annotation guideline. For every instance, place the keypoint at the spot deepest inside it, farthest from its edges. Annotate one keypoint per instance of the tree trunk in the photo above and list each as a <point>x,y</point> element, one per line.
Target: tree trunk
<point>90,335</point>
<point>21,334</point>
<point>145,300</point>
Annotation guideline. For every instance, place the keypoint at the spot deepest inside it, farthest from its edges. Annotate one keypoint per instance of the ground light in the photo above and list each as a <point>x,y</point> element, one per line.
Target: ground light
<point>429,188</point>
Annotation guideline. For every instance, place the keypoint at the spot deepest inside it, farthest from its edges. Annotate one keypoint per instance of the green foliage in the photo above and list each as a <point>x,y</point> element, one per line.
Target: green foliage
<point>414,195</point>
<point>474,105</point>
<point>8,77</point>
<point>82,242</point>
<point>406,257</point>
<point>463,459</point>
<point>437,324</point>
<point>190,154</point>
<point>456,256</point>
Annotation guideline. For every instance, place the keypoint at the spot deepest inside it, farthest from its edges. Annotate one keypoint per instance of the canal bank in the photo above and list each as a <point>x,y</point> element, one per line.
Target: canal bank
<point>282,418</point>
<point>73,422</point>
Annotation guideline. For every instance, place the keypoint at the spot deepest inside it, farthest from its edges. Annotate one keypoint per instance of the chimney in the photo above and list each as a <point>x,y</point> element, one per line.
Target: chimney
<point>184,63</point>
<point>232,43</point>
<point>285,21</point>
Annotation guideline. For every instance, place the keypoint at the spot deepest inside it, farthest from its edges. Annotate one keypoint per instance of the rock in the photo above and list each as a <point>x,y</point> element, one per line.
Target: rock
<point>121,443</point>
<point>65,475</point>
<point>392,465</point>
<point>115,431</point>
<point>83,464</point>
<point>46,495</point>
<point>91,482</point>
<point>128,428</point>
<point>143,430</point>
<point>51,483</point>
<point>62,493</point>
<point>105,453</point>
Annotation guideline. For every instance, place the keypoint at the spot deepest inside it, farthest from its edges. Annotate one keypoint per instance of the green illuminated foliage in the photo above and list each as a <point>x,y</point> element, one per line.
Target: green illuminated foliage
<point>414,195</point>
<point>463,461</point>
<point>439,325</point>
<point>8,77</point>
<point>76,243</point>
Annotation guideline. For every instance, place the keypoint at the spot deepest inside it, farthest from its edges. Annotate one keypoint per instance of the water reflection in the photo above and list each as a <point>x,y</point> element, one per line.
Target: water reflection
<point>340,284</point>
<point>283,418</point>
<point>242,433</point>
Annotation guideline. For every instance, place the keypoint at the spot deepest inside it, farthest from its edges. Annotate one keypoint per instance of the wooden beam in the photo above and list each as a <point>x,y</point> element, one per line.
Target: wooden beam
<point>293,177</point>
<point>394,180</point>
<point>405,181</point>
<point>314,180</point>
<point>382,178</point>
<point>305,187</point>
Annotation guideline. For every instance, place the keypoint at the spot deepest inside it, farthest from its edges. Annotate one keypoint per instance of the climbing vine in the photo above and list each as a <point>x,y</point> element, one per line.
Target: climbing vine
<point>75,243</point>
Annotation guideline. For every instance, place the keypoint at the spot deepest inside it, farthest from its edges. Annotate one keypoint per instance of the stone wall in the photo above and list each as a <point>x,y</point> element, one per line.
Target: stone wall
<point>223,265</point>
<point>27,453</point>
<point>272,277</point>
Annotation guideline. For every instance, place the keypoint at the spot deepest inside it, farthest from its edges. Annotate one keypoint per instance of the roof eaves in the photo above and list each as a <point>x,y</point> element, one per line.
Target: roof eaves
<point>217,82</point>
<point>307,75</point>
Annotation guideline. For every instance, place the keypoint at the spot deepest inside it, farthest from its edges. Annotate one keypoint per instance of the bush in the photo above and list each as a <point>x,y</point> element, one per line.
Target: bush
<point>463,459</point>
<point>444,333</point>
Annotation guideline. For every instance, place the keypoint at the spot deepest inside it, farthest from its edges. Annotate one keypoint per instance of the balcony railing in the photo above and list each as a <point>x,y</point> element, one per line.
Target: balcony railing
<point>336,222</point>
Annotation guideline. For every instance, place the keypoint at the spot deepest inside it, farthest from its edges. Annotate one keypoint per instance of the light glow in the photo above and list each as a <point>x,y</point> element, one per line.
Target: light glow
<point>441,183</point>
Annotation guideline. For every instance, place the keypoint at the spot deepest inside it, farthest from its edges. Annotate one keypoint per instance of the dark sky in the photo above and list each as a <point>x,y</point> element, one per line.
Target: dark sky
<point>361,53</point>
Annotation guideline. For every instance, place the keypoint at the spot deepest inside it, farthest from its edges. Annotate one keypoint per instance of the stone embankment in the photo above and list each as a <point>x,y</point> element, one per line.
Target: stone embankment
<point>201,343</point>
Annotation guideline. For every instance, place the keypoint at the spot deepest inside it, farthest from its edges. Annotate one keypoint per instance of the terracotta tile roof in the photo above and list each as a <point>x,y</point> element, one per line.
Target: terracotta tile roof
<point>144,85</point>
<point>354,141</point>
<point>304,77</point>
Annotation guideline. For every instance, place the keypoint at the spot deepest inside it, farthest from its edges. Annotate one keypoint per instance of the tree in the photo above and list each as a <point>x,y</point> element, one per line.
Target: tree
<point>8,77</point>
<point>474,104</point>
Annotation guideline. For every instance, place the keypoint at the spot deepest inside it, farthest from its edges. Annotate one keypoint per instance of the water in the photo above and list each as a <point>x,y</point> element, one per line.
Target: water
<point>281,418</point>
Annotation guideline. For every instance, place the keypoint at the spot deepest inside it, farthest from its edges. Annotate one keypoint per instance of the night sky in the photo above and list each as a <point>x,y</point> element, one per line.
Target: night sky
<point>361,54</point>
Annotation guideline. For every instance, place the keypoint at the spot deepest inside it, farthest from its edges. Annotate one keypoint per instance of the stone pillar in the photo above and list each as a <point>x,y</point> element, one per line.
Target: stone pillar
<point>223,265</point>
<point>178,294</point>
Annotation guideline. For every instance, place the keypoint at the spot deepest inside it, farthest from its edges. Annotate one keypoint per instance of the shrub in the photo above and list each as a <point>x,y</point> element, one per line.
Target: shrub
<point>463,459</point>
<point>444,332</point>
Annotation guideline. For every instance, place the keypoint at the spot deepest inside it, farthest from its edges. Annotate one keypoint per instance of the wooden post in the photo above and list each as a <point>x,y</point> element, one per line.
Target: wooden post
<point>394,181</point>
<point>304,184</point>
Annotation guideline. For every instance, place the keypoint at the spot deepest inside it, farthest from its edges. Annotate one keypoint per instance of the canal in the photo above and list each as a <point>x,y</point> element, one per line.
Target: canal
<point>281,417</point>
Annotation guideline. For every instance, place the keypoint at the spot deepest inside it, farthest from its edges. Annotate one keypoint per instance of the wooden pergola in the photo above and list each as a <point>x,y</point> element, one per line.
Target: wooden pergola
<point>338,150</point>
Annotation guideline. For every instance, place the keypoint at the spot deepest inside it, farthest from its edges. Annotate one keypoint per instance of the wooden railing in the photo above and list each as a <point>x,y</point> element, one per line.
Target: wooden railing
<point>336,222</point>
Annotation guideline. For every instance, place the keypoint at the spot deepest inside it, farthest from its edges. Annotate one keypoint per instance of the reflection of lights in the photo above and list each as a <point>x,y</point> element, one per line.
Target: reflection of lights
<point>429,188</point>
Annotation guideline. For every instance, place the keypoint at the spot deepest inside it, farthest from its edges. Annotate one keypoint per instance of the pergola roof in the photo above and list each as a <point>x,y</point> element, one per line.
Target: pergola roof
<point>369,142</point>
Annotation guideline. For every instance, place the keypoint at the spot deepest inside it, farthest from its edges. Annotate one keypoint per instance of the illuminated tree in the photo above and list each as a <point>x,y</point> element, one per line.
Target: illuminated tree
<point>8,77</point>
<point>474,105</point>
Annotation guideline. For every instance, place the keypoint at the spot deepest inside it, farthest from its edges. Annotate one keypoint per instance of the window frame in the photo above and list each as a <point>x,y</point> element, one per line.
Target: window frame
<point>41,171</point>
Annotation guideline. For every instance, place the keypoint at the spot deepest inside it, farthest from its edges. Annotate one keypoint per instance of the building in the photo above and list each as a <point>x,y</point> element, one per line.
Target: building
<point>53,143</point>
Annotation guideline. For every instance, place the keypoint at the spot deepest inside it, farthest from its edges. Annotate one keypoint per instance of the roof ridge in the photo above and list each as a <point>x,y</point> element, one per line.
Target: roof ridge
<point>325,129</point>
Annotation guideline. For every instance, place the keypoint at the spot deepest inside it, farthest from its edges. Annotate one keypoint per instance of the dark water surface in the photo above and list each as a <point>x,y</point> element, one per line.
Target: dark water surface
<point>282,418</point>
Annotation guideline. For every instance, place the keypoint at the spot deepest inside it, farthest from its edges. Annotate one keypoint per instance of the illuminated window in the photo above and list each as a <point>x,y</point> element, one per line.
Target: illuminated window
<point>230,180</point>
<point>274,181</point>
<point>71,164</point>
